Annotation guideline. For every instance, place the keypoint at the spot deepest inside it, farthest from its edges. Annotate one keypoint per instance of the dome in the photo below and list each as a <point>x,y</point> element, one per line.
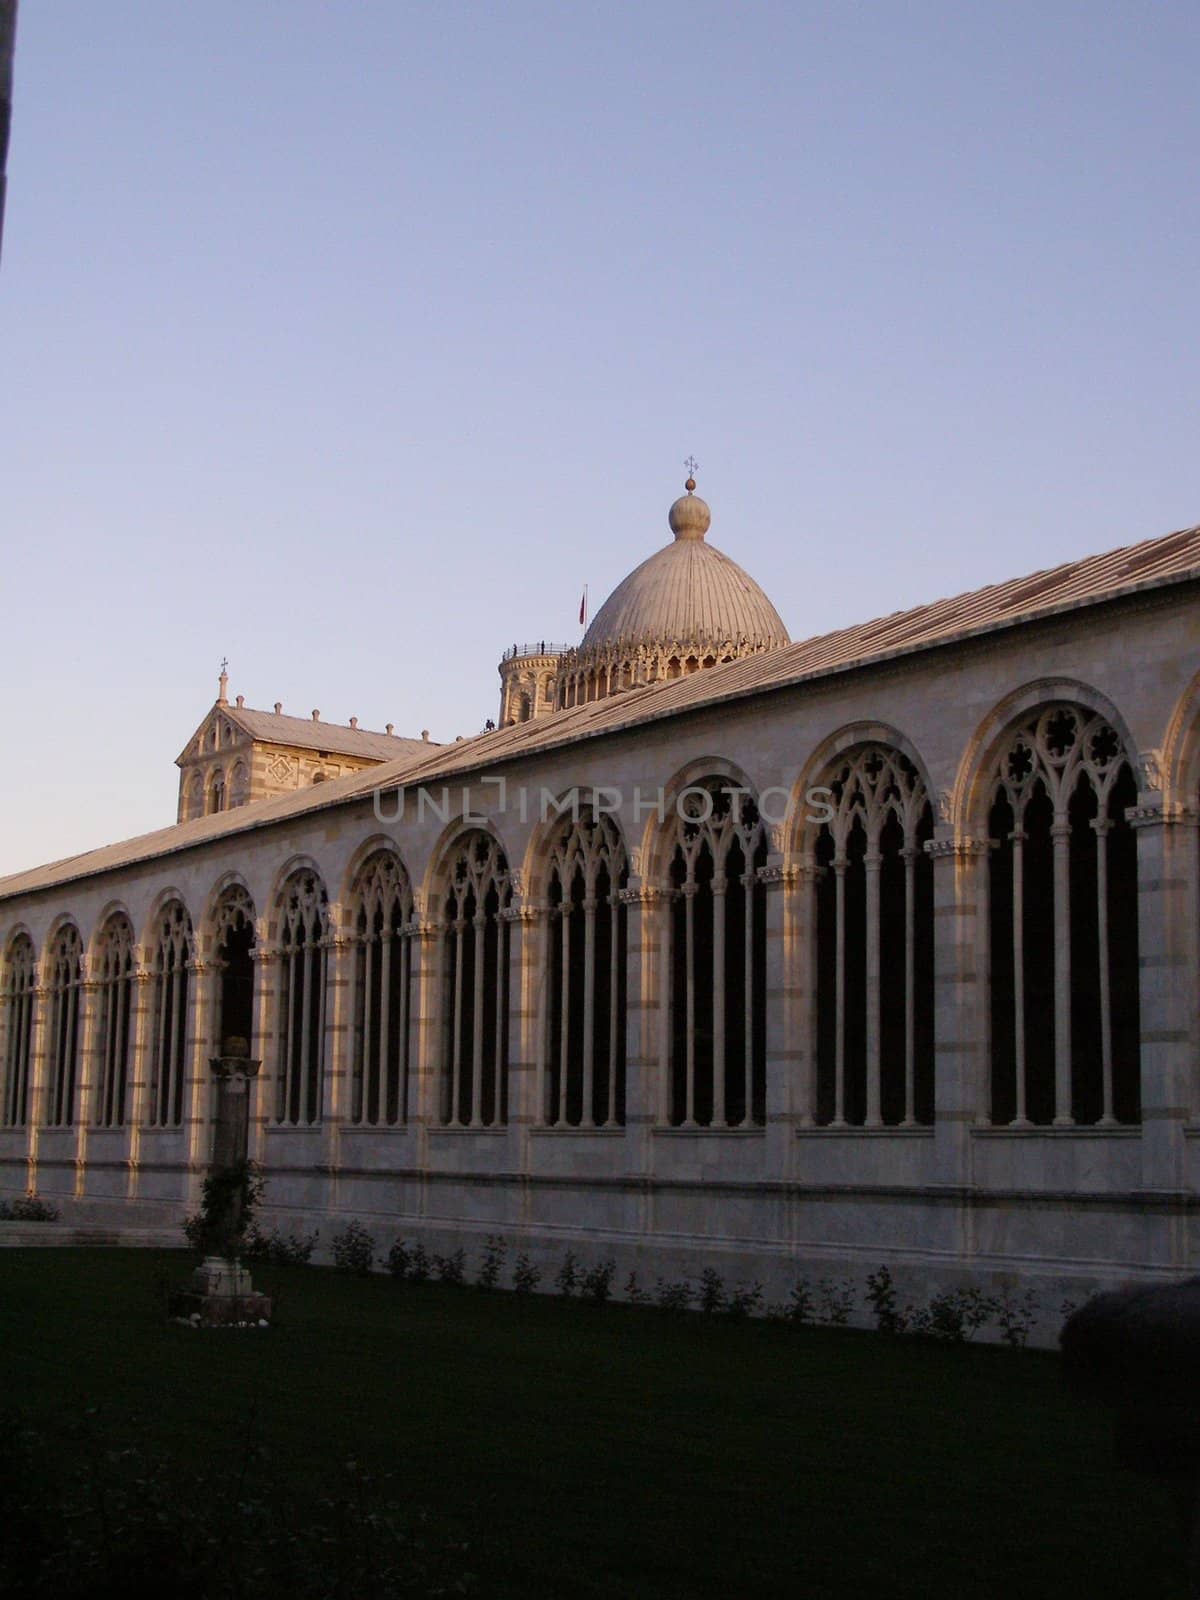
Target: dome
<point>687,594</point>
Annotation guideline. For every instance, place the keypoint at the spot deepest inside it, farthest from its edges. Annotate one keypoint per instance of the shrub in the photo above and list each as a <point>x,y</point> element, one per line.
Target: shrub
<point>712,1291</point>
<point>399,1260</point>
<point>278,1249</point>
<point>954,1315</point>
<point>29,1209</point>
<point>799,1306</point>
<point>353,1249</point>
<point>670,1296</point>
<point>836,1299</point>
<point>418,1264</point>
<point>526,1276</point>
<point>451,1268</point>
<point>1015,1316</point>
<point>494,1251</point>
<point>881,1297</point>
<point>744,1301</point>
<point>567,1281</point>
<point>597,1281</point>
<point>228,1203</point>
<point>634,1293</point>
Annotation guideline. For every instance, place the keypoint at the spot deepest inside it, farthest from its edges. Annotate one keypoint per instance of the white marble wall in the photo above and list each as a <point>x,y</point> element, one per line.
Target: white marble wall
<point>1072,1207</point>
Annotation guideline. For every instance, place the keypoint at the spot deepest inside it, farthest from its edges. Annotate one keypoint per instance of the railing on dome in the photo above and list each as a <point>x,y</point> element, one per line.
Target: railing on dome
<point>544,648</point>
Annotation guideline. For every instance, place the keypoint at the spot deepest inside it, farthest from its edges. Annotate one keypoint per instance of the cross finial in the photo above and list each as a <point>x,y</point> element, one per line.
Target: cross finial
<point>223,690</point>
<point>224,663</point>
<point>692,465</point>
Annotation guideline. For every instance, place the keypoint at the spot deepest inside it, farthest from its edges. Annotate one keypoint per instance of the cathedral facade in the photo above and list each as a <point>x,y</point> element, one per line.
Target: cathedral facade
<point>784,958</point>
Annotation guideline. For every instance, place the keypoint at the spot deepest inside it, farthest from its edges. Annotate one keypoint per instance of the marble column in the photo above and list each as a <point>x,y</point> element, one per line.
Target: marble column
<point>88,1048</point>
<point>528,926</point>
<point>647,1020</point>
<point>961,999</point>
<point>1168,854</point>
<point>787,1102</point>
<point>141,1036</point>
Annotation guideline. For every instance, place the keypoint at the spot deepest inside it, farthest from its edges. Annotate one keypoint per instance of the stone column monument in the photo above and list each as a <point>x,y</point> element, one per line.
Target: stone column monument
<point>221,1292</point>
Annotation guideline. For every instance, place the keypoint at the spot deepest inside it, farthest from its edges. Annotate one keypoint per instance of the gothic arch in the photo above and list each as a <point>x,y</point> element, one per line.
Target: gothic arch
<point>111,909</point>
<point>111,970</point>
<point>379,899</point>
<point>299,938</point>
<point>1180,776</point>
<point>295,866</point>
<point>440,862</point>
<point>170,947</point>
<point>968,805</point>
<point>230,890</point>
<point>62,979</point>
<point>716,848</point>
<point>165,897</point>
<point>872,917</point>
<point>582,873</point>
<point>652,858</point>
<point>372,845</point>
<point>472,891</point>
<point>537,863</point>
<point>1050,795</point>
<point>800,832</point>
<point>18,982</point>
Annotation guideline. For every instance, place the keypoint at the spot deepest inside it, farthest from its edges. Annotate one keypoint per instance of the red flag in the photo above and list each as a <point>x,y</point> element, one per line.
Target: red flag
<point>583,607</point>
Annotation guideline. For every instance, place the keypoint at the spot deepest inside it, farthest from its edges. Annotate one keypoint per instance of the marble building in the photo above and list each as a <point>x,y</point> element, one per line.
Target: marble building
<point>783,957</point>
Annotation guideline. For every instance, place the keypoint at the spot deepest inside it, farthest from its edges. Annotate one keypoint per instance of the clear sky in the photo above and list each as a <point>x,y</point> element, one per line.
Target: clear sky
<point>350,340</point>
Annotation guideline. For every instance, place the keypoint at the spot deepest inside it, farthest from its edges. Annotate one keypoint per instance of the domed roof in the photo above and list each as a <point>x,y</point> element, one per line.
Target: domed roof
<point>688,593</point>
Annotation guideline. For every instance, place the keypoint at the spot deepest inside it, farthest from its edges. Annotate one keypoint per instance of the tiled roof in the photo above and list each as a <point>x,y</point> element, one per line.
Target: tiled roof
<point>1156,563</point>
<point>304,733</point>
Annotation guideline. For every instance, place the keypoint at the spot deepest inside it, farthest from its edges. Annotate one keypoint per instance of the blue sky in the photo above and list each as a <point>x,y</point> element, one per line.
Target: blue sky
<point>351,340</point>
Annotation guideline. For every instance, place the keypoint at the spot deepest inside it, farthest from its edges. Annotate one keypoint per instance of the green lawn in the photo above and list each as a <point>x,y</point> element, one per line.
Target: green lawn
<point>611,1451</point>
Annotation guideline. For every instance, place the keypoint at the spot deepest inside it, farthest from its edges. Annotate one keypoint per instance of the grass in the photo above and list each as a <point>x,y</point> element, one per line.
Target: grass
<point>587,1451</point>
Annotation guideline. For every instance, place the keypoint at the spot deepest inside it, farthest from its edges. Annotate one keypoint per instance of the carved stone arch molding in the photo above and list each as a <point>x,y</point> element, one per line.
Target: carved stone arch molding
<point>430,890</point>
<point>972,796</point>
<point>170,894</point>
<point>825,758</point>
<point>229,898</point>
<point>1180,754</point>
<point>532,878</point>
<point>651,857</point>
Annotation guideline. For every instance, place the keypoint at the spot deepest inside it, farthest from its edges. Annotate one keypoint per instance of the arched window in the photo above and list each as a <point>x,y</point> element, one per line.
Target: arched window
<point>65,979</point>
<point>475,965</point>
<point>235,940</point>
<point>718,941</point>
<point>379,1089</point>
<point>585,1076</point>
<point>216,793</point>
<point>239,785</point>
<point>1064,924</point>
<point>874,893</point>
<point>195,797</point>
<point>20,981</point>
<point>168,1016</point>
<point>114,980</point>
<point>300,1048</point>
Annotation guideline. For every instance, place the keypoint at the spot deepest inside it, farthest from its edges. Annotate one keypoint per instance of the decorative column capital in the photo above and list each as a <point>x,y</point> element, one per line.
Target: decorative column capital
<point>639,894</point>
<point>775,872</point>
<point>963,848</point>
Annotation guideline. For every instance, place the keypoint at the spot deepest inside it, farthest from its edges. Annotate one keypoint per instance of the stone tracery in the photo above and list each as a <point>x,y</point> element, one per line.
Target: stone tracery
<point>874,1021</point>
<point>1063,922</point>
<point>475,983</point>
<point>584,1076</point>
<point>717,958</point>
<point>383,902</point>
